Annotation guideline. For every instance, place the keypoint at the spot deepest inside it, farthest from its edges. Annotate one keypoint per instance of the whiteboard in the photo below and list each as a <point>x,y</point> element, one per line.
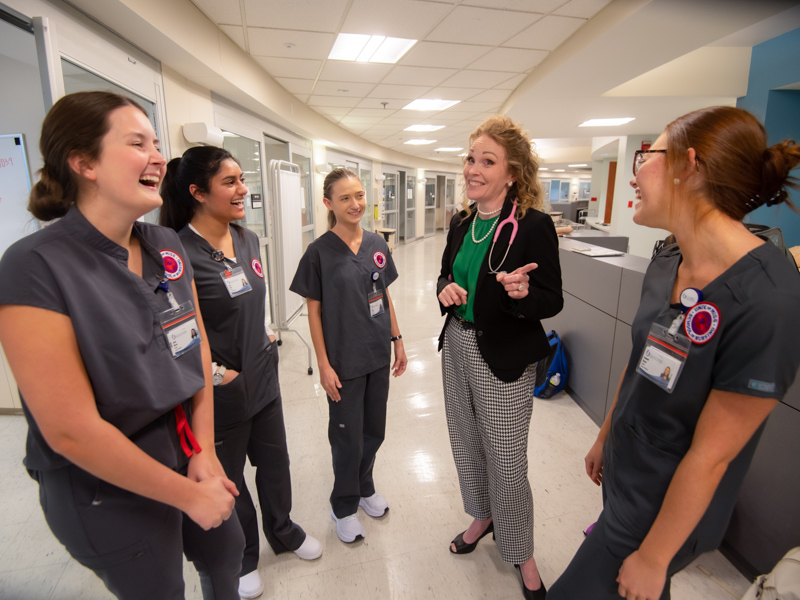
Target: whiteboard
<point>15,187</point>
<point>288,202</point>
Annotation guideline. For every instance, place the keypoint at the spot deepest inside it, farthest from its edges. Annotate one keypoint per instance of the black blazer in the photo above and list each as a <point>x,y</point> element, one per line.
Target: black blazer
<point>509,332</point>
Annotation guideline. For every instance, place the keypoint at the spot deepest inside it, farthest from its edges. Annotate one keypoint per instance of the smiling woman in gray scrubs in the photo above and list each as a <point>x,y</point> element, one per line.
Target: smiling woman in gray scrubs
<point>719,309</point>
<point>345,276</point>
<point>96,318</point>
<point>204,194</point>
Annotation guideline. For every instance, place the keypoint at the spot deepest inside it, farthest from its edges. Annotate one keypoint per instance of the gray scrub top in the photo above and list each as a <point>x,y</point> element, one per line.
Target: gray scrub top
<point>356,343</point>
<point>235,327</point>
<point>73,269</point>
<point>753,352</point>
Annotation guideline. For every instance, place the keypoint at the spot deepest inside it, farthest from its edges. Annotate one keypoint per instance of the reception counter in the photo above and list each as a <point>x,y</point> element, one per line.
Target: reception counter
<point>601,297</point>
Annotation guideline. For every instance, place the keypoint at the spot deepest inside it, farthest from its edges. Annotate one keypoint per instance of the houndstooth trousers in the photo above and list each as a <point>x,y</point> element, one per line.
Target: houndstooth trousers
<point>488,421</point>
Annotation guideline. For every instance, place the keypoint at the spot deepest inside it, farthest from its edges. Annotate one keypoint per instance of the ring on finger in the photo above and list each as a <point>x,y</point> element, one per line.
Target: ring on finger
<point>521,287</point>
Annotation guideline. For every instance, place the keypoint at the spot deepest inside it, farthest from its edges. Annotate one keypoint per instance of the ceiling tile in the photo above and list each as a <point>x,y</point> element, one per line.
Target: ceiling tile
<point>512,83</point>
<point>403,92</point>
<point>298,68</point>
<point>537,6</point>
<point>343,89</point>
<point>296,86</point>
<point>392,104</point>
<point>491,27</point>
<point>221,11</point>
<point>304,44</point>
<point>495,96</point>
<point>512,60</point>
<point>306,15</point>
<point>381,113</point>
<point>546,34</point>
<point>365,121</point>
<point>453,93</point>
<point>236,33</point>
<point>342,70</point>
<point>469,78</point>
<point>399,18</point>
<point>582,8</point>
<point>418,75</point>
<point>302,97</point>
<point>341,101</point>
<point>434,54</point>
<point>332,111</point>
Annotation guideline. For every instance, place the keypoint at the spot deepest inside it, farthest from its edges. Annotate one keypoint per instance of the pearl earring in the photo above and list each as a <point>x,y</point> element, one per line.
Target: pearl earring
<point>677,181</point>
<point>509,183</point>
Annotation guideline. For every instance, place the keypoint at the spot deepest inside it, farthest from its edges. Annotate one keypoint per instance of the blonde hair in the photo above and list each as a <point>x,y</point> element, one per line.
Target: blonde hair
<point>521,161</point>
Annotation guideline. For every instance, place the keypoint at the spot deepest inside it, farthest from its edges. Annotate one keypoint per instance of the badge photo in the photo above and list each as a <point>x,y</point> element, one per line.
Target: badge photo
<point>173,264</point>
<point>380,259</point>
<point>257,269</point>
<point>702,322</point>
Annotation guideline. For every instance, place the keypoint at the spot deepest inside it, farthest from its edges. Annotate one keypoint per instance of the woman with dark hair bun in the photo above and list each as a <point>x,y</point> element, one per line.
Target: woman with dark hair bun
<point>204,193</point>
<point>99,320</point>
<point>719,309</point>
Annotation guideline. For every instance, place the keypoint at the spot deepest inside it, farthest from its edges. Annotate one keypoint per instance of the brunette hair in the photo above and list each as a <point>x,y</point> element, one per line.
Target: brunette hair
<point>522,161</point>
<point>197,166</point>
<point>740,173</point>
<point>76,123</point>
<point>327,189</point>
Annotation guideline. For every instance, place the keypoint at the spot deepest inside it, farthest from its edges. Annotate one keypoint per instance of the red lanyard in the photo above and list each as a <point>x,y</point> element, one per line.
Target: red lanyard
<point>185,432</point>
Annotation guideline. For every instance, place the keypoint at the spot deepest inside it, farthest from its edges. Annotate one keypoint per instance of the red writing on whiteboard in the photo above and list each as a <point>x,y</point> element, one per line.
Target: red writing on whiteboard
<point>6,162</point>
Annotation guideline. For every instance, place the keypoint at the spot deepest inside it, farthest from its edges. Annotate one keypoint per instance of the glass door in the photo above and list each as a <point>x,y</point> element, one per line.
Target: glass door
<point>390,200</point>
<point>430,206</point>
<point>411,208</point>
<point>367,221</point>
<point>306,181</point>
<point>449,202</point>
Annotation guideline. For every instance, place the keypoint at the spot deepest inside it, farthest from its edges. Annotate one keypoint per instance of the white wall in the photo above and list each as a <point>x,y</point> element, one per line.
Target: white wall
<point>599,188</point>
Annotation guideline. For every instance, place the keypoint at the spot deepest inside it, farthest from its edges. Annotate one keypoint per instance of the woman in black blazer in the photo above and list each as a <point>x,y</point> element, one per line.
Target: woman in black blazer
<point>500,275</point>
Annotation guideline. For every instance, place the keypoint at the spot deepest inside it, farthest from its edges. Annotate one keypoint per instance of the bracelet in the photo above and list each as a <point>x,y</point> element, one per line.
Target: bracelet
<point>397,337</point>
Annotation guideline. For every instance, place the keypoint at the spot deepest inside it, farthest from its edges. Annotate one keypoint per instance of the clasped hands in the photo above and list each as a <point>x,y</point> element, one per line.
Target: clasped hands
<point>516,285</point>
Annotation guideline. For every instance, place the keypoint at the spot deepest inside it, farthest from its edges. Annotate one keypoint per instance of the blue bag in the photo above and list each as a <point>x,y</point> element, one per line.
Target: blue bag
<point>552,370</point>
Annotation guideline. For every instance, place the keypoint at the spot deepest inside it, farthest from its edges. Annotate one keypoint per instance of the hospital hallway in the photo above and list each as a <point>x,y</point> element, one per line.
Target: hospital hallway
<point>405,553</point>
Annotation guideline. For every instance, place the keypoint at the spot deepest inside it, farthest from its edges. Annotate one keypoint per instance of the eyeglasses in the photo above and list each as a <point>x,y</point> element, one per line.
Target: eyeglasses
<point>639,159</point>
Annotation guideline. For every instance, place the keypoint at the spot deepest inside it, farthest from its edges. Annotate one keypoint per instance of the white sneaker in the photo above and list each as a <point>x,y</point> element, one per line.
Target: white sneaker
<point>309,549</point>
<point>375,506</point>
<point>349,528</point>
<point>251,586</point>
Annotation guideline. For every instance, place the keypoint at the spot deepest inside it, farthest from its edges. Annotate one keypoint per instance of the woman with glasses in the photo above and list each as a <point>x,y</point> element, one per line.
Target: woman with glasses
<point>500,276</point>
<point>719,310</point>
<point>204,194</point>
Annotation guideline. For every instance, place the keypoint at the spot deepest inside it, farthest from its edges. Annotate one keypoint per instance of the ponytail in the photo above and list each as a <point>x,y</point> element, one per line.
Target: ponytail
<point>179,205</point>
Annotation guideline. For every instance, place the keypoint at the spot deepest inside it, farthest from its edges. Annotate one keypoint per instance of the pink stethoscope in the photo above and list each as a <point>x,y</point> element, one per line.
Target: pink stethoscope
<point>514,226</point>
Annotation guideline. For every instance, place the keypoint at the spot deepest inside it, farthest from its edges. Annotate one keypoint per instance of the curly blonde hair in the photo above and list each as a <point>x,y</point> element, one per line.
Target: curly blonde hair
<point>522,162</point>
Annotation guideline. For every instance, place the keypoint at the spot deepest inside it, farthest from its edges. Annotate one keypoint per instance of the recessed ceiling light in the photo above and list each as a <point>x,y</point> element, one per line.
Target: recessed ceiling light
<point>423,104</point>
<point>558,170</point>
<point>464,154</point>
<point>447,149</point>
<point>424,128</point>
<point>581,165</point>
<point>369,48</point>
<point>419,142</point>
<point>606,122</point>
<point>543,169</point>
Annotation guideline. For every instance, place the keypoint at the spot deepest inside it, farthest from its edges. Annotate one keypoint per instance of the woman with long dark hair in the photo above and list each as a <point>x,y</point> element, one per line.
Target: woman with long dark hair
<point>96,319</point>
<point>204,193</point>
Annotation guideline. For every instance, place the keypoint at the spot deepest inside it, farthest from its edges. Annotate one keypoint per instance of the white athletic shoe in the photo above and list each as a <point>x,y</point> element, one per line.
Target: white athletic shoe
<point>309,549</point>
<point>349,528</point>
<point>251,586</point>
<point>375,506</point>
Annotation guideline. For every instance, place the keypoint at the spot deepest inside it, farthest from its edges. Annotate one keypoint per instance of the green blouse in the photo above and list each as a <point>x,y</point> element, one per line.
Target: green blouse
<point>468,263</point>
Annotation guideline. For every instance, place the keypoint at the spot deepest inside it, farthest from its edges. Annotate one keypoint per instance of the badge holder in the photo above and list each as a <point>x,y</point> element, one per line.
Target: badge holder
<point>665,350</point>
<point>235,280</point>
<point>179,323</point>
<point>375,298</point>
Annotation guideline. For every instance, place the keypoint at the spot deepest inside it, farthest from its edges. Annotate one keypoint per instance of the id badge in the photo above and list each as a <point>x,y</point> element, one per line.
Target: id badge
<point>663,357</point>
<point>375,303</point>
<point>235,281</point>
<point>180,328</point>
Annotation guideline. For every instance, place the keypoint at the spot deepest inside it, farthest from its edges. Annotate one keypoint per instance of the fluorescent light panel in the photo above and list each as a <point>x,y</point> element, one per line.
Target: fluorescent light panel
<point>424,128</point>
<point>447,149</point>
<point>606,122</point>
<point>581,165</point>
<point>369,48</point>
<point>419,142</point>
<point>425,104</point>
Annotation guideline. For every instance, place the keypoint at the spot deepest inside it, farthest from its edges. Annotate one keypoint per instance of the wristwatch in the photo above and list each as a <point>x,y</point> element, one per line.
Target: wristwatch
<point>217,379</point>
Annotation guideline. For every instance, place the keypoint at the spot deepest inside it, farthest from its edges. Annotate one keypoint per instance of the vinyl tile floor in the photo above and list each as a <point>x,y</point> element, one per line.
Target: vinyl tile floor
<point>405,553</point>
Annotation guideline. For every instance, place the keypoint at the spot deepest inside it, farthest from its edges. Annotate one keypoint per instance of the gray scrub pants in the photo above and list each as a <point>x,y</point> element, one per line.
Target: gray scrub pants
<point>356,428</point>
<point>262,439</point>
<point>593,570</point>
<point>134,544</point>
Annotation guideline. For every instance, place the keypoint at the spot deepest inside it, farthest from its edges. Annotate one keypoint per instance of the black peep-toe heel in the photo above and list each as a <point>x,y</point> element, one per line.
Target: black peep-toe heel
<point>540,594</point>
<point>463,548</point>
